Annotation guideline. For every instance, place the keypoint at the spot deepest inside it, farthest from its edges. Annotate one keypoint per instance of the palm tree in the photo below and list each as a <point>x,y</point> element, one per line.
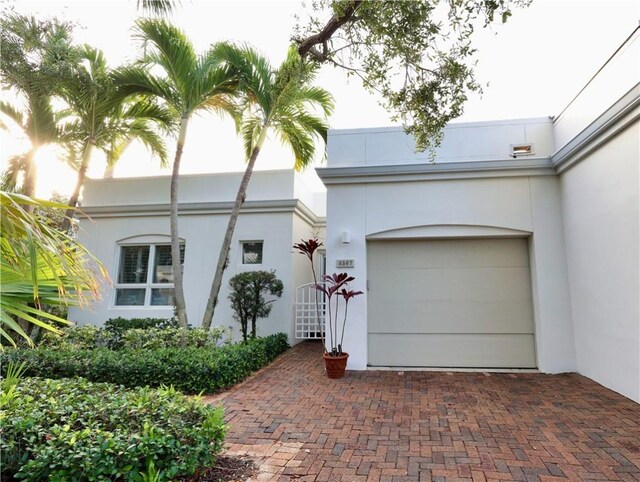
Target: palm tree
<point>100,117</point>
<point>188,83</point>
<point>36,56</point>
<point>279,100</point>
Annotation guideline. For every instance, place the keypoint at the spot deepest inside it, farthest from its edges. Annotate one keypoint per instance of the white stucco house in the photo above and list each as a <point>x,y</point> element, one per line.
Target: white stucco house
<point>518,247</point>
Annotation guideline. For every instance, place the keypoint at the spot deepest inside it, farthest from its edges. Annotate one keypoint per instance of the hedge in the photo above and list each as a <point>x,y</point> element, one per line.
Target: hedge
<point>90,337</point>
<point>190,370</point>
<point>75,430</point>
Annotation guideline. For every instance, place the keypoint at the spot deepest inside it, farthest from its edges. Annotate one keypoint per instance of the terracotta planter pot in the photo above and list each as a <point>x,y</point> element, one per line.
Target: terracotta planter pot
<point>335,365</point>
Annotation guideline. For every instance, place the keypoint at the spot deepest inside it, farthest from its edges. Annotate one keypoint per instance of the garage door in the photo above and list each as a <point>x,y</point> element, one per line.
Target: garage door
<point>450,303</point>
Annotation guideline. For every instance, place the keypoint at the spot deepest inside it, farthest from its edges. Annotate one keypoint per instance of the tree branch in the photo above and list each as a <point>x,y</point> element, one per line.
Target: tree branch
<point>306,46</point>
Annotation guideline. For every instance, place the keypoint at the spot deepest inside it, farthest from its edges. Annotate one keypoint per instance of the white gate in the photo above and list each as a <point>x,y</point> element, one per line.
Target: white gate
<point>307,312</point>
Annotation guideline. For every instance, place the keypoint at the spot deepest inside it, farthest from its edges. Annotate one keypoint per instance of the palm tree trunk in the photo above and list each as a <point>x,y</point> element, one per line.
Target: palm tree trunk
<point>82,175</point>
<point>30,176</point>
<point>181,308</point>
<point>231,226</point>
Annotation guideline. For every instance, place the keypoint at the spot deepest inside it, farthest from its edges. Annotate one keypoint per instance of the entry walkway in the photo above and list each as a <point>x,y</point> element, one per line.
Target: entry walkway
<point>423,426</point>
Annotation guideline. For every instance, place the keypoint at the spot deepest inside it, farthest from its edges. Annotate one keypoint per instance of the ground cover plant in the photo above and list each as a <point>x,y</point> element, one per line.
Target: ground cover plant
<point>75,430</point>
<point>189,369</point>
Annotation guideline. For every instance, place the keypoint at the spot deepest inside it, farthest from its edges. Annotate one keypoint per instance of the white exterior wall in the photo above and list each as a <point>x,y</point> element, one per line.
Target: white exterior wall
<point>202,235</point>
<point>463,141</point>
<point>600,206</point>
<point>118,210</point>
<point>223,187</point>
<point>521,206</point>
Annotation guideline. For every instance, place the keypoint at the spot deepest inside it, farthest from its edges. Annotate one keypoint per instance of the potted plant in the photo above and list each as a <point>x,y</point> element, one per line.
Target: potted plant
<point>335,287</point>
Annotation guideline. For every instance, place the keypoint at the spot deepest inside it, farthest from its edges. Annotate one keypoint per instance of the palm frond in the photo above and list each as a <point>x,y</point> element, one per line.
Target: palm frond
<point>141,131</point>
<point>12,113</point>
<point>300,141</point>
<point>39,265</point>
<point>16,165</point>
<point>250,131</point>
<point>137,81</point>
<point>158,7</point>
<point>171,50</point>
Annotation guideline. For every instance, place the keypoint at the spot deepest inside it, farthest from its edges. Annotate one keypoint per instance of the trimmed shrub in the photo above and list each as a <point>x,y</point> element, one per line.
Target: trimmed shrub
<point>154,338</point>
<point>75,430</point>
<point>118,326</point>
<point>190,370</point>
<point>90,337</point>
<point>247,298</point>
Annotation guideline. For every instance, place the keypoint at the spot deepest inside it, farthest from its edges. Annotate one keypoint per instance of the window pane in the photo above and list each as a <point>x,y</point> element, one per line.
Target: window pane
<point>134,262</point>
<point>130,296</point>
<point>252,253</point>
<point>163,272</point>
<point>162,297</point>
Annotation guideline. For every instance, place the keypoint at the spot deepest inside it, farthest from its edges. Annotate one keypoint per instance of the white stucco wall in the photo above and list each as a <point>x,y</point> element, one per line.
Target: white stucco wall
<point>278,220</point>
<point>600,206</point>
<point>219,187</point>
<point>522,206</point>
<point>463,141</point>
<point>202,235</point>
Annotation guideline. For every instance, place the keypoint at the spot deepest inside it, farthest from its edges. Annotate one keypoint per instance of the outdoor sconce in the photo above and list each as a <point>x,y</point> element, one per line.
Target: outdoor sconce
<point>346,237</point>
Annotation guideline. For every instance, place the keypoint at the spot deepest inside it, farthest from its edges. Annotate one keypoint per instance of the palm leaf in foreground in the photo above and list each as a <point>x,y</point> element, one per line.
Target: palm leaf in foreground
<point>39,266</point>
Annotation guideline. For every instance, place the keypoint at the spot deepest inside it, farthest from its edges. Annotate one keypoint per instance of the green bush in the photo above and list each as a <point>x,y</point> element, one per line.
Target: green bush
<point>90,337</point>
<point>247,298</point>
<point>75,430</point>
<point>154,338</point>
<point>85,337</point>
<point>190,370</point>
<point>118,326</point>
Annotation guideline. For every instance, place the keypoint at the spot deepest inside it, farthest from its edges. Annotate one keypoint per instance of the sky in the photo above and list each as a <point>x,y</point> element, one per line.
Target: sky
<point>532,66</point>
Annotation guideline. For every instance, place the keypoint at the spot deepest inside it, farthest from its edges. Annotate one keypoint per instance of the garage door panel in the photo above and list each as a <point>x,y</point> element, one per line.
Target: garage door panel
<point>452,253</point>
<point>458,303</point>
<point>501,284</point>
<point>507,351</point>
<point>442,317</point>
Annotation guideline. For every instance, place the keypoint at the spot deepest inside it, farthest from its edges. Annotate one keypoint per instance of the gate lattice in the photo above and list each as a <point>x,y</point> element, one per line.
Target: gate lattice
<point>306,312</point>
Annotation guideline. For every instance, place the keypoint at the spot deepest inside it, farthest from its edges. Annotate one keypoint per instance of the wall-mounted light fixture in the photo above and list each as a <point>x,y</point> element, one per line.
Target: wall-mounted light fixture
<point>346,237</point>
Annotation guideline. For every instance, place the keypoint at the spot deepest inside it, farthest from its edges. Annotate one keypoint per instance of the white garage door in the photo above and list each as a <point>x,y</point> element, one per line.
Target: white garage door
<point>450,303</point>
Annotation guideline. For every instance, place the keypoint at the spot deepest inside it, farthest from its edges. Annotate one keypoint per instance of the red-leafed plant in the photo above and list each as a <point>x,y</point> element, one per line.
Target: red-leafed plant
<point>337,285</point>
<point>308,248</point>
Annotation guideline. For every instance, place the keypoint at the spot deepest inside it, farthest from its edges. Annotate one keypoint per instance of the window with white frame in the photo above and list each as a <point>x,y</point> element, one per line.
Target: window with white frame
<point>145,276</point>
<point>251,252</point>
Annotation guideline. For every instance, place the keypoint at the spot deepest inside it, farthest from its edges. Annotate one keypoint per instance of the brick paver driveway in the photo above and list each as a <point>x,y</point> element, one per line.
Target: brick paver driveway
<point>415,426</point>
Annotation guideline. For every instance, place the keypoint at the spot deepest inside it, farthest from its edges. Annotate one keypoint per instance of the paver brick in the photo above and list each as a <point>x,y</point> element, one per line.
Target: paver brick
<point>419,426</point>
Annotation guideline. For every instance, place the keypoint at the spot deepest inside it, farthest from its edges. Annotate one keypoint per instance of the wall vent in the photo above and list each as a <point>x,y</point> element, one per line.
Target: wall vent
<point>521,150</point>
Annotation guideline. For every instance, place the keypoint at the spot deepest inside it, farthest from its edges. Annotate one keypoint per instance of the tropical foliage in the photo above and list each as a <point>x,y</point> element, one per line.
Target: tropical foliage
<point>336,286</point>
<point>39,265</point>
<point>37,57</point>
<point>186,82</point>
<point>282,101</point>
<point>308,248</point>
<point>99,117</point>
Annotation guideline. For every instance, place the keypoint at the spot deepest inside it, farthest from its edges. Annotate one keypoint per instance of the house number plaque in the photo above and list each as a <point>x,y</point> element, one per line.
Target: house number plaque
<point>344,263</point>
